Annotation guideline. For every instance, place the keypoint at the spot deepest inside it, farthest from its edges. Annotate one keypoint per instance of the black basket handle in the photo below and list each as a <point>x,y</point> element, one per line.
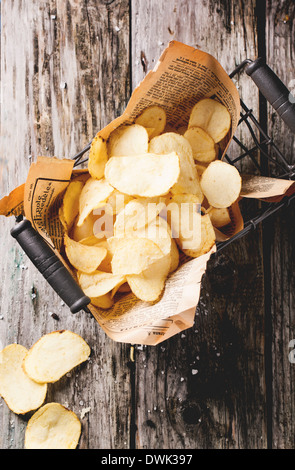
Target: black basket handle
<point>50,266</point>
<point>274,90</point>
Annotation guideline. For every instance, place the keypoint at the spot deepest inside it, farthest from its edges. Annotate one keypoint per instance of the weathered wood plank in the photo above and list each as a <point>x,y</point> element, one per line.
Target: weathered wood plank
<point>205,388</point>
<point>280,57</point>
<point>64,74</point>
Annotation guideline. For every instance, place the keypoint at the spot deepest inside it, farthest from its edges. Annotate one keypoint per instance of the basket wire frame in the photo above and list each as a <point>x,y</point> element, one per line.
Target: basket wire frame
<point>262,152</point>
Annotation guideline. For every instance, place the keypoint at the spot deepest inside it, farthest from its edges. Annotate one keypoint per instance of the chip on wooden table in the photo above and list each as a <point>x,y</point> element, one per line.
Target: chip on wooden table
<point>53,427</point>
<point>20,393</point>
<point>55,354</point>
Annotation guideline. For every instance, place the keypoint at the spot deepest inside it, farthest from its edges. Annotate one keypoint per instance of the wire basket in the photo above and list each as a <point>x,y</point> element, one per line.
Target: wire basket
<point>262,152</point>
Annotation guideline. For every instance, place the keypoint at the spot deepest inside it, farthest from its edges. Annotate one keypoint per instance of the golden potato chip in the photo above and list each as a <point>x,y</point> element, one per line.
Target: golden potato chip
<point>145,175</point>
<point>94,195</point>
<point>149,284</point>
<point>20,393</point>
<point>133,255</point>
<point>99,283</point>
<point>53,427</point>
<point>137,214</point>
<point>128,140</point>
<point>55,354</point>
<point>207,238</point>
<point>221,183</point>
<point>201,167</point>
<point>188,180</point>
<point>118,201</point>
<point>184,216</point>
<point>104,301</point>
<point>174,256</point>
<point>219,217</point>
<point>83,257</point>
<point>98,156</point>
<point>203,146</point>
<point>153,119</point>
<point>159,232</point>
<point>70,205</point>
<point>85,230</point>
<point>212,116</point>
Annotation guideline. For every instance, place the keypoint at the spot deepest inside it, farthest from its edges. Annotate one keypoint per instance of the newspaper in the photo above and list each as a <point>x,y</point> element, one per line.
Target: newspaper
<point>182,76</point>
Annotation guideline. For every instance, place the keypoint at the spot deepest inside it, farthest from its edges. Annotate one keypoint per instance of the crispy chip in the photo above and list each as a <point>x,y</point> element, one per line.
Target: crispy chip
<point>43,361</point>
<point>207,238</point>
<point>98,156</point>
<point>99,283</point>
<point>203,146</point>
<point>83,257</point>
<point>70,205</point>
<point>53,427</point>
<point>145,175</point>
<point>94,195</point>
<point>133,255</point>
<point>104,301</point>
<point>221,183</point>
<point>149,284</point>
<point>188,181</point>
<point>20,393</point>
<point>174,256</point>
<point>219,217</point>
<point>85,230</point>
<point>211,116</point>
<point>128,140</point>
<point>184,216</point>
<point>153,119</point>
<point>137,214</point>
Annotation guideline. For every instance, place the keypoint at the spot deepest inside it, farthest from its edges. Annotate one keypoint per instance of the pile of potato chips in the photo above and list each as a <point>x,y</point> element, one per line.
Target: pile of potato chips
<point>24,378</point>
<point>150,194</point>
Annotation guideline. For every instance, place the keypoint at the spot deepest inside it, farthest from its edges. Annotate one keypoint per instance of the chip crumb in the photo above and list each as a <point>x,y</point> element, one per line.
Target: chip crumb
<point>84,411</point>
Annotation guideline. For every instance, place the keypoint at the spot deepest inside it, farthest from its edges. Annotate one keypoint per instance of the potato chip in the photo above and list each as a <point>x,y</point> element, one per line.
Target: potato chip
<point>55,354</point>
<point>133,255</point>
<point>70,205</point>
<point>53,427</point>
<point>188,181</point>
<point>219,217</point>
<point>212,116</point>
<point>117,201</point>
<point>98,156</point>
<point>85,230</point>
<point>153,119</point>
<point>174,256</point>
<point>149,285</point>
<point>184,216</point>
<point>203,146</point>
<point>201,167</point>
<point>83,257</point>
<point>104,301</point>
<point>207,238</point>
<point>221,183</point>
<point>20,393</point>
<point>94,195</point>
<point>128,140</point>
<point>99,283</point>
<point>145,175</point>
<point>137,214</point>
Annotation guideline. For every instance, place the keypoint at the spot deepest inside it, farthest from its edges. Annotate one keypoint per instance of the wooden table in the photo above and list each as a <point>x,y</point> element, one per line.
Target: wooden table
<point>67,69</point>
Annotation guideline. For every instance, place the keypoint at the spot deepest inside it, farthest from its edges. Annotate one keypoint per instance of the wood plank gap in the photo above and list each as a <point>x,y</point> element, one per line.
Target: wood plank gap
<point>266,235</point>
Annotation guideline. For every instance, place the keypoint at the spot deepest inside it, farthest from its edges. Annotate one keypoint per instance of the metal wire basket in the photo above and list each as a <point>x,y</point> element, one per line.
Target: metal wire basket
<point>263,153</point>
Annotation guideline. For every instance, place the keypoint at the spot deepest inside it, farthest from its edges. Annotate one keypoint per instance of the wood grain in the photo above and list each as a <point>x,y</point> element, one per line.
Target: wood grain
<point>280,57</point>
<point>64,74</point>
<point>205,388</point>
